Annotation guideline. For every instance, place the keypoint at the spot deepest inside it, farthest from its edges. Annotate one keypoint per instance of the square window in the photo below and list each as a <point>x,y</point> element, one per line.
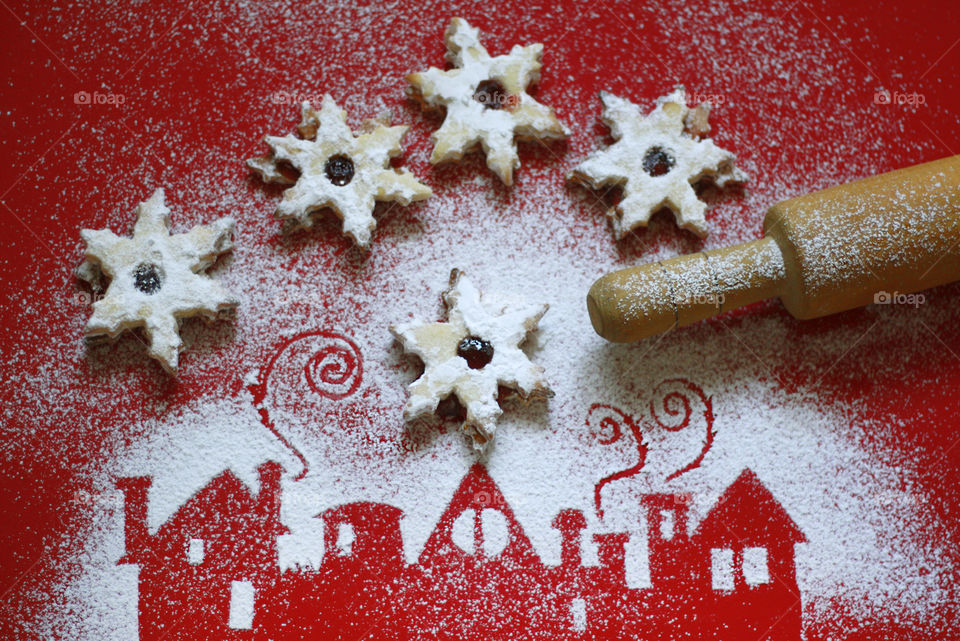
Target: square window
<point>755,570</point>
<point>578,614</point>
<point>667,524</point>
<point>345,538</point>
<point>721,568</point>
<point>195,551</point>
<point>241,605</point>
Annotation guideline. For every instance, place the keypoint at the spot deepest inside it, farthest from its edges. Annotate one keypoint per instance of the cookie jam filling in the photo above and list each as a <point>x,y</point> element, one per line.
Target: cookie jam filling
<point>657,162</point>
<point>339,170</point>
<point>147,278</point>
<point>476,351</point>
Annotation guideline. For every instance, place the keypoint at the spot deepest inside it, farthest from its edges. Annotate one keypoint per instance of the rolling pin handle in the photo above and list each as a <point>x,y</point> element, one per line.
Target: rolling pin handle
<point>638,302</point>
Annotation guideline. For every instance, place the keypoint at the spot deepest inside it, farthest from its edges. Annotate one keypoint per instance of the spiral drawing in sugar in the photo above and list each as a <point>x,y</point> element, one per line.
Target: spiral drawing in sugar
<point>322,362</point>
<point>683,391</point>
<point>671,410</point>
<point>335,370</point>
<point>609,430</point>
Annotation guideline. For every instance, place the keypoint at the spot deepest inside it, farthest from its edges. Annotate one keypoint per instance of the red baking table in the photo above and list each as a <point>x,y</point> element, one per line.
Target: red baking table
<point>751,477</point>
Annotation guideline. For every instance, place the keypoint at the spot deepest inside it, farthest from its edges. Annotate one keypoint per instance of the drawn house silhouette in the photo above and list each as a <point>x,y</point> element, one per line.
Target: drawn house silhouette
<point>748,539</point>
<point>479,569</point>
<point>200,572</point>
<point>355,591</point>
<point>477,576</point>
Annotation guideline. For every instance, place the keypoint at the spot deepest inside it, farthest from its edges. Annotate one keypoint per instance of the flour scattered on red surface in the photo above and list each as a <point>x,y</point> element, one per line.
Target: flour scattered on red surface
<point>844,421</point>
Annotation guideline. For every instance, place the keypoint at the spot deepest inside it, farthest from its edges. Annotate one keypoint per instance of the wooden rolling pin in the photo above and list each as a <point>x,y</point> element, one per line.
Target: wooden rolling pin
<point>873,240</point>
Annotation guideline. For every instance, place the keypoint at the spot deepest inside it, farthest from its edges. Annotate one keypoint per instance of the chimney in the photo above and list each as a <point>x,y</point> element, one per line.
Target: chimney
<point>666,518</point>
<point>136,536</point>
<point>571,524</point>
<point>668,539</point>
<point>611,550</point>
<point>371,534</point>
<point>268,499</point>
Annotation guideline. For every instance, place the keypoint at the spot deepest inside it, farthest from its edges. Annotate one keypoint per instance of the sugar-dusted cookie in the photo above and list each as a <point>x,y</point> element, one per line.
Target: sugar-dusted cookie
<point>338,170</point>
<point>656,159</point>
<point>486,101</point>
<point>469,355</point>
<point>156,279</point>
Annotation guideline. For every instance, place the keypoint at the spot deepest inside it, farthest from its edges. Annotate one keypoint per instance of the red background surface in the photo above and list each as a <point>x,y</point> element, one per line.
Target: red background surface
<point>196,80</point>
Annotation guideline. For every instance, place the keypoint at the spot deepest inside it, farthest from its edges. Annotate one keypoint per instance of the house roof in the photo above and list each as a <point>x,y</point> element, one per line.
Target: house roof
<point>748,514</point>
<point>209,510</point>
<point>477,491</point>
<point>376,527</point>
<point>362,512</point>
<point>215,509</point>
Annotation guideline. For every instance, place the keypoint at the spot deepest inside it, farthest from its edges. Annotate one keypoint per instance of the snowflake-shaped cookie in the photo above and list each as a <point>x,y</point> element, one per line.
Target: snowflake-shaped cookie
<point>338,170</point>
<point>486,101</point>
<point>156,279</point>
<point>471,354</point>
<point>656,159</point>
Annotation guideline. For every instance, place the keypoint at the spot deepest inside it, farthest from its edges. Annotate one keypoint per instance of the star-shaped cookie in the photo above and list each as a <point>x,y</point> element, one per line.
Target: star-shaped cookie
<point>338,170</point>
<point>156,279</point>
<point>656,159</point>
<point>472,353</point>
<point>486,101</point>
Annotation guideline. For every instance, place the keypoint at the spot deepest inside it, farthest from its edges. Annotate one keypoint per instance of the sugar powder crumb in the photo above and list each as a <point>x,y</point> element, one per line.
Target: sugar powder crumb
<point>779,390</point>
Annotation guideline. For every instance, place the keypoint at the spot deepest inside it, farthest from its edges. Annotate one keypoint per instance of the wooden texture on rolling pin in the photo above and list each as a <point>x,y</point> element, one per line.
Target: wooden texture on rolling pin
<point>625,300</point>
<point>642,301</point>
<point>747,273</point>
<point>823,253</point>
<point>897,232</point>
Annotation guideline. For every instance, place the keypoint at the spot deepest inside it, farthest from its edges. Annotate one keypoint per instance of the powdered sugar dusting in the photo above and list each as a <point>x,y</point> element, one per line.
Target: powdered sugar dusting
<point>492,332</point>
<point>486,101</point>
<point>338,170</point>
<point>656,159</point>
<point>847,466</point>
